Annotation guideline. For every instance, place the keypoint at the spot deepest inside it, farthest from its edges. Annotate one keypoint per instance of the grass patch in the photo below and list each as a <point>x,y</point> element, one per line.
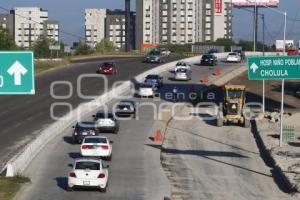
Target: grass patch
<point>9,186</point>
<point>41,66</point>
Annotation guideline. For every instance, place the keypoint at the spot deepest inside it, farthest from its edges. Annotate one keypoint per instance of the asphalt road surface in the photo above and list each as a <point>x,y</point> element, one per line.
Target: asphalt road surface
<point>23,117</point>
<point>130,173</point>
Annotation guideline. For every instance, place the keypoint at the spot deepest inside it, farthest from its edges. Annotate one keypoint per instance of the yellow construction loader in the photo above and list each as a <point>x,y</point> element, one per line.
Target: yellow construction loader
<point>232,110</point>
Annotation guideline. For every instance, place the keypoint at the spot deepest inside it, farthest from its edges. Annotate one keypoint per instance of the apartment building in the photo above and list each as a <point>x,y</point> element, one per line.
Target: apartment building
<point>29,25</point>
<point>51,30</point>
<point>94,26</point>
<point>7,22</point>
<point>115,28</point>
<point>182,21</point>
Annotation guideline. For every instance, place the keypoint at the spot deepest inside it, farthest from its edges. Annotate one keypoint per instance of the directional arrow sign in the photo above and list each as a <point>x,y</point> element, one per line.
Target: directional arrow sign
<point>254,67</point>
<point>16,72</point>
<point>274,67</point>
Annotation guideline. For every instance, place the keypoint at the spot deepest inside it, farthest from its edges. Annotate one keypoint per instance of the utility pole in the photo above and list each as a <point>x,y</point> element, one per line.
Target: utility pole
<point>255,14</point>
<point>263,24</point>
<point>264,101</point>
<point>127,26</point>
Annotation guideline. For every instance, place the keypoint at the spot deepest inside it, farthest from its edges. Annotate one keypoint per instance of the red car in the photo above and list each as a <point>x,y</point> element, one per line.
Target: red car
<point>108,68</point>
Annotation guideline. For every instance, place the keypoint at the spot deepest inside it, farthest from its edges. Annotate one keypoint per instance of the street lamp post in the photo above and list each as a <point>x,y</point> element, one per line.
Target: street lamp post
<point>282,86</point>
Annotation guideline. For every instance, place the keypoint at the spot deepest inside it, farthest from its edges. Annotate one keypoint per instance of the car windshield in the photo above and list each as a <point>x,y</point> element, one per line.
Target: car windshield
<point>152,77</point>
<point>155,53</point>
<point>85,126</point>
<point>206,56</point>
<point>95,140</point>
<point>145,86</point>
<point>235,94</point>
<point>108,64</point>
<point>232,54</point>
<point>104,115</point>
<point>181,70</point>
<point>87,165</point>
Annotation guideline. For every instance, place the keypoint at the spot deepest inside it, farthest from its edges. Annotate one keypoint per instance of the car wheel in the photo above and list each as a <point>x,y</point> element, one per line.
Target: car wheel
<point>69,189</point>
<point>103,190</point>
<point>109,157</point>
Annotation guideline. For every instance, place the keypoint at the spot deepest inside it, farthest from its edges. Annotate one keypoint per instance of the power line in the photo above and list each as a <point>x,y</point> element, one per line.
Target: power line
<point>60,31</point>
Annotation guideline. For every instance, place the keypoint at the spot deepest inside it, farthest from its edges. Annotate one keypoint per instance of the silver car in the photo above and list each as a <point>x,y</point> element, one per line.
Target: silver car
<point>183,73</point>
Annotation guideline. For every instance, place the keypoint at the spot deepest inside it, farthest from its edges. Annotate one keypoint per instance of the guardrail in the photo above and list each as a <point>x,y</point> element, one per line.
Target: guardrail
<point>18,163</point>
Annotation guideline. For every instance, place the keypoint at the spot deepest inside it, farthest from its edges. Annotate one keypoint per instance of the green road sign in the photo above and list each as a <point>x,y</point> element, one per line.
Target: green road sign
<point>274,67</point>
<point>16,72</point>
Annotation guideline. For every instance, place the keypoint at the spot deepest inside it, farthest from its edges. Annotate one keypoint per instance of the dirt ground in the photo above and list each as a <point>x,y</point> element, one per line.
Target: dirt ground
<point>273,93</point>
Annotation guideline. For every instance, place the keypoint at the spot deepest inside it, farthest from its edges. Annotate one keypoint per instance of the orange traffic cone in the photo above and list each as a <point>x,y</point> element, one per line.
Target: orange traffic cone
<point>217,72</point>
<point>204,79</point>
<point>158,136</point>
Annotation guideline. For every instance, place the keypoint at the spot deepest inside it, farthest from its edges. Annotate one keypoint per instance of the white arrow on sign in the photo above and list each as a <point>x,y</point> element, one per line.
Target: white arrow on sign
<point>254,67</point>
<point>16,70</point>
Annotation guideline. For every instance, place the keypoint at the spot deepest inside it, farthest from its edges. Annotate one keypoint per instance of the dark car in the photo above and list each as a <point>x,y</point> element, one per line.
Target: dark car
<point>211,51</point>
<point>154,79</point>
<point>105,121</point>
<point>83,129</point>
<point>209,59</point>
<point>107,68</point>
<point>241,54</point>
<point>155,57</point>
<point>297,93</point>
<point>126,108</point>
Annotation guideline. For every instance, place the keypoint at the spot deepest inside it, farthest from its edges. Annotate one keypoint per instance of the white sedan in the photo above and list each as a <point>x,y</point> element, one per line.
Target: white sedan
<point>147,90</point>
<point>96,146</point>
<point>88,173</point>
<point>234,57</point>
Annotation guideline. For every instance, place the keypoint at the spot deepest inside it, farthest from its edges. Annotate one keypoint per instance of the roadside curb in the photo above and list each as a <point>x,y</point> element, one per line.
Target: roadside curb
<point>269,160</point>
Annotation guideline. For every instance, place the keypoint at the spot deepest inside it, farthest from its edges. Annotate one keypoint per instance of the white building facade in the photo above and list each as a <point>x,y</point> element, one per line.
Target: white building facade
<point>29,25</point>
<point>182,21</point>
<point>94,26</point>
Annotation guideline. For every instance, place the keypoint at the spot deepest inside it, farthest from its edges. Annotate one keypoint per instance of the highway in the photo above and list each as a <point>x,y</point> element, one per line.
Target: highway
<point>23,117</point>
<point>135,170</point>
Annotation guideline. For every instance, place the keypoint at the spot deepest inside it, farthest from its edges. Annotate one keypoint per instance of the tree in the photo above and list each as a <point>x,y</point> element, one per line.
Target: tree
<point>83,49</point>
<point>41,47</point>
<point>227,43</point>
<point>6,41</point>
<point>105,46</point>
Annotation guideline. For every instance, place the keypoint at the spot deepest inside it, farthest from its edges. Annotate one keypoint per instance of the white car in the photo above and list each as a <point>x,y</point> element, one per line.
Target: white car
<point>183,74</point>
<point>234,57</point>
<point>182,67</point>
<point>88,173</point>
<point>147,90</point>
<point>106,121</point>
<point>96,146</point>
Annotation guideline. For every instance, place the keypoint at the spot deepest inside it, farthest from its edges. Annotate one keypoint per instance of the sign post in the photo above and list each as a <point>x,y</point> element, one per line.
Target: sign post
<point>16,72</point>
<point>275,68</point>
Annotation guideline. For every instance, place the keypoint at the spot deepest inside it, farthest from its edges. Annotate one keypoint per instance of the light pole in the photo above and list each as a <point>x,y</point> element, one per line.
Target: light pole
<point>282,86</point>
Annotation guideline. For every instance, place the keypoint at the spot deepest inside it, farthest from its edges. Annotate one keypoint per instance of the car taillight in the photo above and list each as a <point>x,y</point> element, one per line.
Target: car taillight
<point>84,146</point>
<point>101,175</point>
<point>105,147</point>
<point>72,174</point>
<point>75,133</point>
<point>93,133</point>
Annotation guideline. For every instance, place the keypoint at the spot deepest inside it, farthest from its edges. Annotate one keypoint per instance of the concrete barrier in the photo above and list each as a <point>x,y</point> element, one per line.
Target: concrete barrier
<point>18,163</point>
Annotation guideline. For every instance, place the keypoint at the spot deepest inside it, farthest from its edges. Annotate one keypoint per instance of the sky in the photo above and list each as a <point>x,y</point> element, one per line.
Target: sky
<point>70,14</point>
